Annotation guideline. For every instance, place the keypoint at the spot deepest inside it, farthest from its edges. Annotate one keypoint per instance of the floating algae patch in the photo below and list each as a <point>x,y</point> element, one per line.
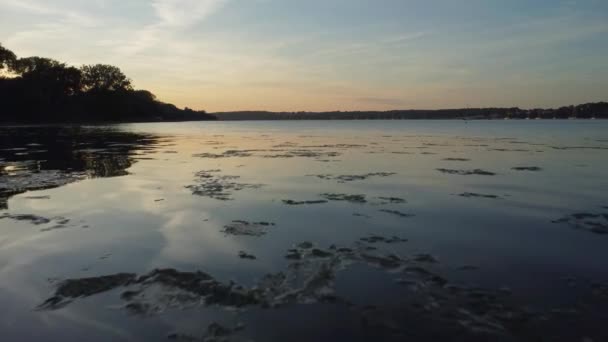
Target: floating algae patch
<point>392,200</point>
<point>85,287</point>
<point>327,160</point>
<point>226,154</point>
<point>38,197</point>
<point>352,178</point>
<point>476,195</point>
<point>345,198</point>
<point>474,145</point>
<point>579,148</point>
<point>362,215</point>
<point>303,154</point>
<point>592,222</point>
<point>426,258</point>
<point>525,143</point>
<point>213,142</point>
<point>183,337</point>
<point>54,223</point>
<point>59,223</point>
<point>457,159</point>
<point>155,291</point>
<point>25,180</point>
<point>508,150</point>
<point>308,279</point>
<point>527,168</point>
<point>397,213</point>
<point>219,187</point>
<point>429,301</point>
<point>246,228</point>
<point>292,202</point>
<point>33,219</point>
<point>245,255</point>
<point>467,172</point>
<point>344,146</point>
<point>382,239</point>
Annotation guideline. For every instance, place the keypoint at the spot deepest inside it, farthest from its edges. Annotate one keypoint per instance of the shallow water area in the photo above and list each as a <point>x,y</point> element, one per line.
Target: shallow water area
<point>334,230</point>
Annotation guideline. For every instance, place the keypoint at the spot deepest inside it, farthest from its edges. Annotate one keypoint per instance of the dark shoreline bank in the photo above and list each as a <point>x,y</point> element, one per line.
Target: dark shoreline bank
<point>93,123</point>
<point>597,110</point>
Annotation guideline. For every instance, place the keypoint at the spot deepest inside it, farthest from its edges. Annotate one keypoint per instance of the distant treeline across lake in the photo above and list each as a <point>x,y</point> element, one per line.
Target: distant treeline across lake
<point>597,110</point>
<point>43,90</point>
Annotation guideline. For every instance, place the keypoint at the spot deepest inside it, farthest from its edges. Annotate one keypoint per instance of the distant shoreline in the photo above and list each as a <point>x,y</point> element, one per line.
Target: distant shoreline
<point>418,119</point>
<point>598,110</point>
<point>106,123</point>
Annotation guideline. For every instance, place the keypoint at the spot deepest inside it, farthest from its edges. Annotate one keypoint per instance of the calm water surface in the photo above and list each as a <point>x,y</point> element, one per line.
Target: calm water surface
<point>305,231</point>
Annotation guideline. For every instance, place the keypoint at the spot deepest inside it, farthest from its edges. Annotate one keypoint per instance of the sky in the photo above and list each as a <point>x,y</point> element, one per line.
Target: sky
<point>321,55</point>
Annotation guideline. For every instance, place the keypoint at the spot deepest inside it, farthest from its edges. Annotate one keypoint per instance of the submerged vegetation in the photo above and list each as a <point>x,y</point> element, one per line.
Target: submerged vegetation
<point>39,89</point>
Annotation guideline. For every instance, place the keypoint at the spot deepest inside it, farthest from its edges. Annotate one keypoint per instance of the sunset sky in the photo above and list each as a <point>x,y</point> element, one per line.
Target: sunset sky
<point>292,55</point>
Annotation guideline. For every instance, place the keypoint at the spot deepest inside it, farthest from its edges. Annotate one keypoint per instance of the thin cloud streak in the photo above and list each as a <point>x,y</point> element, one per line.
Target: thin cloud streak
<point>173,16</point>
<point>184,13</point>
<point>64,15</point>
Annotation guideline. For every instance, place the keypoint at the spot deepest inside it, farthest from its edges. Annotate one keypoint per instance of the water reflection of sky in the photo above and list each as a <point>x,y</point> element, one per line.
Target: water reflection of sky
<point>130,211</point>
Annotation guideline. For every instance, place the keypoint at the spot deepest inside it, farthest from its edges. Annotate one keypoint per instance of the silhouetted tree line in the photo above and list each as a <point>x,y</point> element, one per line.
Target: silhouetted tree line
<point>597,110</point>
<point>42,90</point>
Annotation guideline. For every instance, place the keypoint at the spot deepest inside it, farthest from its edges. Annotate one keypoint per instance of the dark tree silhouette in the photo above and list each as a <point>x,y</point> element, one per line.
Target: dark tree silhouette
<point>49,76</point>
<point>38,90</point>
<point>7,58</point>
<point>31,65</point>
<point>101,77</point>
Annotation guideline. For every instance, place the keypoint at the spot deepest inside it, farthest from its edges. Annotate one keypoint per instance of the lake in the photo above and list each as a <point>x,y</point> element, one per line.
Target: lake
<point>305,231</point>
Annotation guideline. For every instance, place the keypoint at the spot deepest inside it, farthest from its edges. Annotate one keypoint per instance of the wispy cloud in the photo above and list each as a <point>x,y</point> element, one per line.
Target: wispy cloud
<point>402,38</point>
<point>184,13</point>
<point>65,15</point>
<point>173,16</point>
<point>49,29</point>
